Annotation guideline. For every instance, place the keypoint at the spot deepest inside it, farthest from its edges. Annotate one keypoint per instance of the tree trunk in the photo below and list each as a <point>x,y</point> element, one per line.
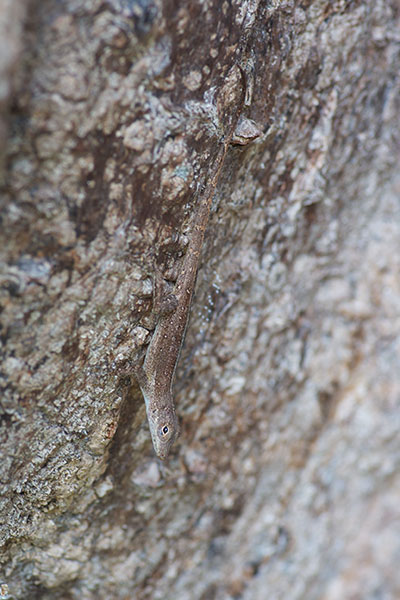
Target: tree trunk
<point>284,482</point>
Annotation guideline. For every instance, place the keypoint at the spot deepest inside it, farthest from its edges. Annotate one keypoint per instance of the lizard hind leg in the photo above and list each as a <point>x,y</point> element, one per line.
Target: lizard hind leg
<point>164,301</point>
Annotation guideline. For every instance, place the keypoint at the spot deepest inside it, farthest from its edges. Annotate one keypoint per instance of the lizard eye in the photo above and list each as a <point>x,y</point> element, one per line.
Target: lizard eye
<point>164,431</point>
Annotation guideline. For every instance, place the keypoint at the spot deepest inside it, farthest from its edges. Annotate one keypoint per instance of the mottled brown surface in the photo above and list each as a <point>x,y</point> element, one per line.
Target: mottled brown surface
<point>284,482</point>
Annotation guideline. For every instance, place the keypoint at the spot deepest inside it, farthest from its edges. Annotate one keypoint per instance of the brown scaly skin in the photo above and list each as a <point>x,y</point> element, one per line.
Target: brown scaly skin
<point>156,375</point>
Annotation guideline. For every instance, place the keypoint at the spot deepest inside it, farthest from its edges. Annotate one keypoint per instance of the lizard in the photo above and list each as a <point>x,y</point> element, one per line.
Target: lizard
<point>156,374</point>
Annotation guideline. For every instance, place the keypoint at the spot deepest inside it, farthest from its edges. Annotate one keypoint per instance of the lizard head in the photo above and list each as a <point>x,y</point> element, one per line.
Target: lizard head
<point>164,429</point>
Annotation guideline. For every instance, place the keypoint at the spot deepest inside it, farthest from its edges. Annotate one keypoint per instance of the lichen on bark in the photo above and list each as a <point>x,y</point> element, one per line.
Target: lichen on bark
<point>285,477</point>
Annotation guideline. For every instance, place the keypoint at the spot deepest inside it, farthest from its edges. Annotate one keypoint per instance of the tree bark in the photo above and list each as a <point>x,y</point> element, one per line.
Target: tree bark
<point>284,482</point>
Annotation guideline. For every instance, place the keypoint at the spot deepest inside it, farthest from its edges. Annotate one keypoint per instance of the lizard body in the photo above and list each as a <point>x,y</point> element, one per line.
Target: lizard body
<point>156,375</point>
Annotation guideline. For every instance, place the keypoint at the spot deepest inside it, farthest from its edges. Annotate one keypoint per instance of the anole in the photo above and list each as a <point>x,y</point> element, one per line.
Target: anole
<point>156,374</point>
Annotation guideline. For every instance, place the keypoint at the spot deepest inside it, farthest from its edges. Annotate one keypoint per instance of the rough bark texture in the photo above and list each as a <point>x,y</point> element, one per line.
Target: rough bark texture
<point>285,480</point>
